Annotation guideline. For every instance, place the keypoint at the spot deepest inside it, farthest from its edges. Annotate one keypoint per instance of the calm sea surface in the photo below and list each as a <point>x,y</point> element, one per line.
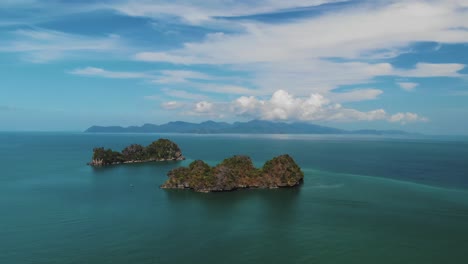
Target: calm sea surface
<point>364,200</point>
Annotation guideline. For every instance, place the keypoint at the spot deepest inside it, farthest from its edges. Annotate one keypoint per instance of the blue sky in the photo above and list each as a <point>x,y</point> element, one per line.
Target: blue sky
<point>67,65</point>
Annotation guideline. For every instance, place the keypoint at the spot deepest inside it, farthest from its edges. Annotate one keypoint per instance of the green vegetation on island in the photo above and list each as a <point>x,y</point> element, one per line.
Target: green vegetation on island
<point>160,150</point>
<point>234,173</point>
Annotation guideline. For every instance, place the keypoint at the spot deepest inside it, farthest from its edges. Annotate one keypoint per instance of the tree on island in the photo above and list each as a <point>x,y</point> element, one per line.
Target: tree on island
<point>160,150</point>
<point>135,152</point>
<point>234,173</point>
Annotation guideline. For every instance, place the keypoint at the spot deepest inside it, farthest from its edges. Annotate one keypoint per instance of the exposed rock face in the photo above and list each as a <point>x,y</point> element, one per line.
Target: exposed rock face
<point>160,150</point>
<point>235,173</point>
<point>282,171</point>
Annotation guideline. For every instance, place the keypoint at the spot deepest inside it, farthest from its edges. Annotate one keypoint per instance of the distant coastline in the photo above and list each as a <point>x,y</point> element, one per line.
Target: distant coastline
<point>250,127</point>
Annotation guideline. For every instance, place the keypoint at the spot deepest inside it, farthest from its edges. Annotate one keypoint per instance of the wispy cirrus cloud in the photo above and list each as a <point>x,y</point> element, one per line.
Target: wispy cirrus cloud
<point>172,105</point>
<point>41,45</point>
<point>351,33</point>
<point>303,77</point>
<point>194,79</point>
<point>158,77</point>
<point>355,95</point>
<point>197,12</point>
<point>423,70</point>
<point>99,72</point>
<point>180,76</point>
<point>179,94</point>
<point>408,86</point>
<point>295,55</point>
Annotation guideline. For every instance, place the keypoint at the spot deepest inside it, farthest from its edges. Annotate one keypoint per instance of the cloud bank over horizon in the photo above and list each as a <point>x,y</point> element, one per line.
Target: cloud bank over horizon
<point>283,106</point>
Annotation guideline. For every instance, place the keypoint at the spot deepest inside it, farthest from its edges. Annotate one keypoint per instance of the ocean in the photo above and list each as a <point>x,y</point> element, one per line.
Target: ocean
<point>364,200</point>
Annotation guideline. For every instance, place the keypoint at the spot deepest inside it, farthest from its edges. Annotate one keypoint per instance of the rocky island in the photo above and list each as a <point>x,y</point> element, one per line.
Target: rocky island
<point>233,173</point>
<point>160,150</point>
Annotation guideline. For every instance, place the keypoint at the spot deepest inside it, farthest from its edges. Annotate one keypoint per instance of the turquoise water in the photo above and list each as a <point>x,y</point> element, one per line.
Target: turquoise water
<point>365,200</point>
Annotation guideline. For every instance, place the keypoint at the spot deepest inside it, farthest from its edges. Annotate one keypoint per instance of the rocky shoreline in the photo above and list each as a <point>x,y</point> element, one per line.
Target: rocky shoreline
<point>236,173</point>
<point>99,163</point>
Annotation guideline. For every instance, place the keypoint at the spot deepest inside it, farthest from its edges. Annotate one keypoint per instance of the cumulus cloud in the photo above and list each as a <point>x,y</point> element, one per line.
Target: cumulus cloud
<point>285,106</point>
<point>407,118</point>
<point>408,86</point>
<point>203,107</point>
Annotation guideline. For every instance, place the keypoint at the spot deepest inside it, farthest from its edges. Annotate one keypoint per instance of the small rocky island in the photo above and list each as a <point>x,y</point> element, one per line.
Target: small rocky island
<point>160,150</point>
<point>237,172</point>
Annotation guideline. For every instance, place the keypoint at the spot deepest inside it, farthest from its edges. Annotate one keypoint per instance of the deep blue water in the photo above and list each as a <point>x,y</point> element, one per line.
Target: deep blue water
<point>364,200</point>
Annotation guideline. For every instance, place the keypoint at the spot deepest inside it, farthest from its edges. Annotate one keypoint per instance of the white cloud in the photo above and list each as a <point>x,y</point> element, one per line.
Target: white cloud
<point>203,107</point>
<point>432,70</point>
<point>191,78</point>
<point>203,11</point>
<point>180,76</point>
<point>42,45</point>
<point>405,118</point>
<point>172,105</point>
<point>355,95</point>
<point>175,94</point>
<point>181,94</point>
<point>289,54</point>
<point>408,86</point>
<point>93,71</point>
<point>284,106</point>
<point>225,89</point>
<point>160,77</point>
<point>161,56</point>
<point>293,54</point>
<point>351,33</point>
<point>302,77</point>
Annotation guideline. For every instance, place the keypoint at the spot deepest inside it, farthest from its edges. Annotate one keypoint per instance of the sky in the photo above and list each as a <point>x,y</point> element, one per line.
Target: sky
<point>357,64</point>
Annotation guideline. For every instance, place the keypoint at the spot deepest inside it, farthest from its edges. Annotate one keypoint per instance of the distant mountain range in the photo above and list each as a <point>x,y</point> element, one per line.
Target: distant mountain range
<point>251,127</point>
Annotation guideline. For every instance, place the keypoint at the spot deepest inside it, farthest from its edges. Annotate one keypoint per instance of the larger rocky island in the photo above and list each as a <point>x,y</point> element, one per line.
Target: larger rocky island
<point>160,150</point>
<point>237,172</point>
